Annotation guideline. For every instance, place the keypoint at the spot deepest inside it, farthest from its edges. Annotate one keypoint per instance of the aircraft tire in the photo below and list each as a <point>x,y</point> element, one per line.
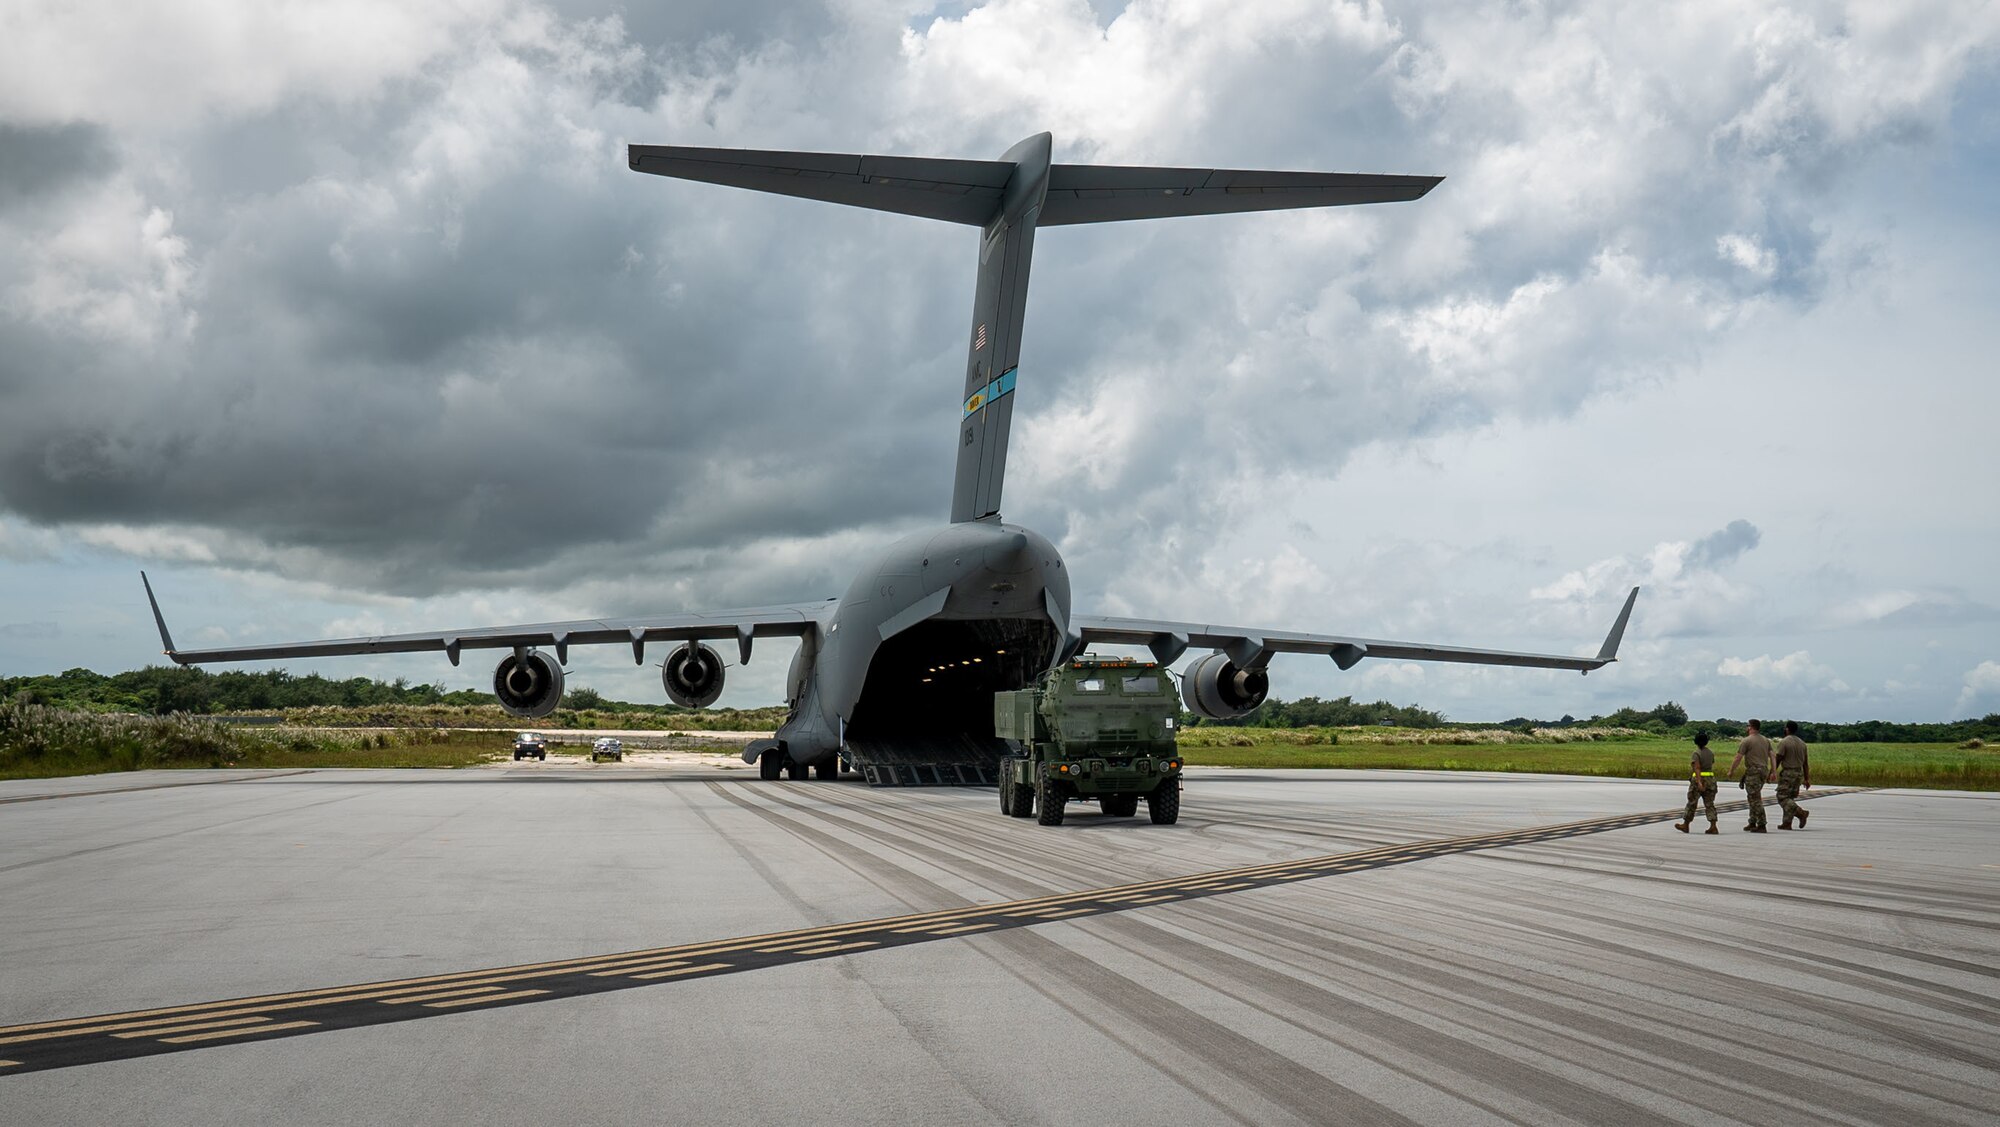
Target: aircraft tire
<point>1049,804</point>
<point>1163,806</point>
<point>795,771</point>
<point>827,769</point>
<point>769,766</point>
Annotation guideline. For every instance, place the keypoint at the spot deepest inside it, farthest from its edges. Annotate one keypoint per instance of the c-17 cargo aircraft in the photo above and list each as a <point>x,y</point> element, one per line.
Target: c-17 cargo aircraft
<point>896,677</point>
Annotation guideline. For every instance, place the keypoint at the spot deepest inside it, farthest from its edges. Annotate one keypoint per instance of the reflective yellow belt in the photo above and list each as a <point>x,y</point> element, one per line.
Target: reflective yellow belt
<point>1702,774</point>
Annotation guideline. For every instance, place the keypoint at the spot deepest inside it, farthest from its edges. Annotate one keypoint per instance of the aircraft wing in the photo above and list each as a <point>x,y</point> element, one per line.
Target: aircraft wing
<point>789,621</point>
<point>1250,649</point>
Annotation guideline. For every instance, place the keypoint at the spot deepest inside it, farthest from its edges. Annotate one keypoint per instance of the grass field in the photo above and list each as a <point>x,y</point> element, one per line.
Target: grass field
<point>1605,752</point>
<point>40,742</point>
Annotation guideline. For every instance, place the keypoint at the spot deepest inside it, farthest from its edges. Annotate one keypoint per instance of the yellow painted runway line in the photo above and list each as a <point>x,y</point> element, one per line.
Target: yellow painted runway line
<point>960,929</point>
<point>482,999</point>
<point>221,1033</point>
<point>839,947</point>
<point>627,972</point>
<point>684,970</point>
<point>434,995</point>
<point>784,947</point>
<point>198,1026</point>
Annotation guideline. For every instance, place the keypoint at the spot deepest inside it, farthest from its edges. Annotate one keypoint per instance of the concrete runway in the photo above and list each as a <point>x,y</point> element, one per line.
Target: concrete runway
<point>1351,973</point>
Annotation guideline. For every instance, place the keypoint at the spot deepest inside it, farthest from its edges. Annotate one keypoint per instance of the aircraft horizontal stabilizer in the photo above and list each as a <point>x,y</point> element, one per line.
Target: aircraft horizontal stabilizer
<point>957,191</point>
<point>973,191</point>
<point>1103,193</point>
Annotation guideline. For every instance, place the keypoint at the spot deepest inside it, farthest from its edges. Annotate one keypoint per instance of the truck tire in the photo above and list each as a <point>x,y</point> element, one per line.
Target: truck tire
<point>1119,805</point>
<point>1007,785</point>
<point>1163,806</point>
<point>827,769</point>
<point>1049,803</point>
<point>1024,800</point>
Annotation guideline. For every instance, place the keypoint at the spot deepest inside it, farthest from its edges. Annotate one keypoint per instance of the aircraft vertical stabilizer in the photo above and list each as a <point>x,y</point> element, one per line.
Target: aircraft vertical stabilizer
<point>1008,199</point>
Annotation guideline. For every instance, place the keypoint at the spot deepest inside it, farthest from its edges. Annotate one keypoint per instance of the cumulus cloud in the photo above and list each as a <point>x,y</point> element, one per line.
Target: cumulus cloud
<point>1982,688</point>
<point>1792,670</point>
<point>1686,592</point>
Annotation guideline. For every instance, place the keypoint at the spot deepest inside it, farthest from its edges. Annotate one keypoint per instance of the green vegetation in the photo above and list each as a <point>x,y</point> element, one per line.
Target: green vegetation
<point>1609,752</point>
<point>81,722</point>
<point>1312,712</point>
<point>314,701</point>
<point>37,741</point>
<point>1669,719</point>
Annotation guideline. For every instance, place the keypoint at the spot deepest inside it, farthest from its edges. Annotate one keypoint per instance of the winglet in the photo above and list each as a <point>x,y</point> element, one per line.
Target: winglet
<point>1610,651</point>
<point>166,639</point>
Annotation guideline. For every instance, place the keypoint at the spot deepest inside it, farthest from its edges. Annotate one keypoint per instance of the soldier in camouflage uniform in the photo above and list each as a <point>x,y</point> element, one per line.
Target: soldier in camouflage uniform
<point>1793,769</point>
<point>1701,783</point>
<point>1754,754</point>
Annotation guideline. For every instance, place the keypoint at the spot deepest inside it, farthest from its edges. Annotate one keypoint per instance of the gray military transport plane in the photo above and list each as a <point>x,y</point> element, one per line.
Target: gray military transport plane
<point>896,677</point>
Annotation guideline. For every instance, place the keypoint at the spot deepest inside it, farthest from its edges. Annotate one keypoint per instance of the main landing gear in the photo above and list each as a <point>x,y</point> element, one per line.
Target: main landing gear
<point>774,763</point>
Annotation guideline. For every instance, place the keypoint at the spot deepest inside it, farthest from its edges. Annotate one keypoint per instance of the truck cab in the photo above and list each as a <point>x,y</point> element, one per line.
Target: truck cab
<point>1092,729</point>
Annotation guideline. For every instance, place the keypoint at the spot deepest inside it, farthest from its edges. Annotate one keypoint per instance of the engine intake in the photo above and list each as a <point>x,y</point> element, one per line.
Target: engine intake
<point>529,686</point>
<point>693,676</point>
<point>1213,687</point>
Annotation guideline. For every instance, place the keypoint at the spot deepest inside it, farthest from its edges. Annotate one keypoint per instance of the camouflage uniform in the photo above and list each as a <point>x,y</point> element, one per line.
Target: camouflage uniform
<point>1756,753</point>
<point>1791,769</point>
<point>1701,787</point>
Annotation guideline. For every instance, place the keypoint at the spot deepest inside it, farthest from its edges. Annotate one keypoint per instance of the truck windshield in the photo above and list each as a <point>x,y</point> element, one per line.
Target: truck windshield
<point>1090,685</point>
<point>1148,684</point>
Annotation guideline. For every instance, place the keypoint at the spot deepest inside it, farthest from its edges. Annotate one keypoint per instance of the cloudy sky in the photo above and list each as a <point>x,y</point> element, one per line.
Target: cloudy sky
<point>348,317</point>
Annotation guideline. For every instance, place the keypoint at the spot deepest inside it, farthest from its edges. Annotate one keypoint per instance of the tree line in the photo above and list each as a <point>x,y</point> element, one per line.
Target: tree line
<point>165,689</point>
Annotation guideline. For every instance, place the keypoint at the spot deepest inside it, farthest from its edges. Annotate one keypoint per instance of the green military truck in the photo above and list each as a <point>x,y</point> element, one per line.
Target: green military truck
<point>1093,729</point>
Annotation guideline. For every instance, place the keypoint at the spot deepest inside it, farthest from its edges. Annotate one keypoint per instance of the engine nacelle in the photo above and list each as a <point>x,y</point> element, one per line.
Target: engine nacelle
<point>693,676</point>
<point>530,686</point>
<point>1213,687</point>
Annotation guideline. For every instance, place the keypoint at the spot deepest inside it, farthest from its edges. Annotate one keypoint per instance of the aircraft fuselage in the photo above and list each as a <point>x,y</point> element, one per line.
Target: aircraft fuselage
<point>925,635</point>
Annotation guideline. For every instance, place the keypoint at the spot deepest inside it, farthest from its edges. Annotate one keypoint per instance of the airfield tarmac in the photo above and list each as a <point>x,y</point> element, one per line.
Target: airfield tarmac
<point>1351,968</point>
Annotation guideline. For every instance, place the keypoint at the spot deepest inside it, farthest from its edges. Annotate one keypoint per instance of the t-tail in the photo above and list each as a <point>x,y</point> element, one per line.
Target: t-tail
<point>1008,199</point>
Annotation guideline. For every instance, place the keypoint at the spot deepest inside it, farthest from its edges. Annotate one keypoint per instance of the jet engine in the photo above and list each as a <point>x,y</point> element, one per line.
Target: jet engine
<point>693,676</point>
<point>1215,688</point>
<point>530,685</point>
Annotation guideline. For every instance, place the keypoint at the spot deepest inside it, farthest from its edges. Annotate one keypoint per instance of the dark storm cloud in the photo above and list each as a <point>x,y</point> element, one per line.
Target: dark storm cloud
<point>1723,545</point>
<point>435,335</point>
<point>534,366</point>
<point>36,160</point>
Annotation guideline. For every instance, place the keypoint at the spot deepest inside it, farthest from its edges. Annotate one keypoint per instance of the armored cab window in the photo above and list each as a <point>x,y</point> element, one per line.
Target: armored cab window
<point>1090,685</point>
<point>1147,684</point>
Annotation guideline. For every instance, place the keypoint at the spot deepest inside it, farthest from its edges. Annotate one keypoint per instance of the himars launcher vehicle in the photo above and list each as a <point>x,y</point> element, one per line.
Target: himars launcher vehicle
<point>897,676</point>
<point>1093,729</point>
